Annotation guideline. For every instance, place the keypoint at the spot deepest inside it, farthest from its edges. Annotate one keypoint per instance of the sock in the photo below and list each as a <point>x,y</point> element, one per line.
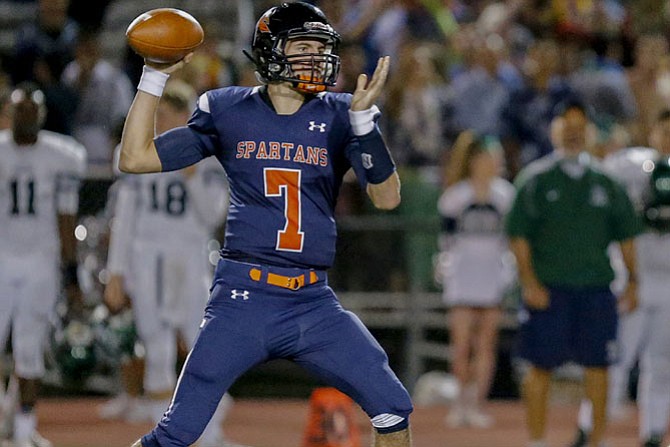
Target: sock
<point>24,425</point>
<point>471,397</point>
<point>459,402</point>
<point>585,416</point>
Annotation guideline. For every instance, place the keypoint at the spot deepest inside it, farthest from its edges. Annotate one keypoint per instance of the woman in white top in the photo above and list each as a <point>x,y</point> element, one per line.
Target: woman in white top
<point>475,267</point>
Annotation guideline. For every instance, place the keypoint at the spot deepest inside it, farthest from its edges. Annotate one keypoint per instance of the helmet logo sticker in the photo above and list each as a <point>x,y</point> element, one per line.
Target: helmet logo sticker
<point>264,24</point>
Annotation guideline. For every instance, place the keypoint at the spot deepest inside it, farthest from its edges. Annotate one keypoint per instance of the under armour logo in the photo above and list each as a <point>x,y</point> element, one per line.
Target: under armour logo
<point>367,160</point>
<point>313,126</point>
<point>235,294</point>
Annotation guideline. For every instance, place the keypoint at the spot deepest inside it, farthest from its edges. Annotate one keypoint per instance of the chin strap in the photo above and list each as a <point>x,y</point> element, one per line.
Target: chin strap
<point>308,87</point>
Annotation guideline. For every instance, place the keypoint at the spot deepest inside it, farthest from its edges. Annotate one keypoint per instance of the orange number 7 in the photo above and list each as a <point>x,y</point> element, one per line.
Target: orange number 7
<point>286,182</point>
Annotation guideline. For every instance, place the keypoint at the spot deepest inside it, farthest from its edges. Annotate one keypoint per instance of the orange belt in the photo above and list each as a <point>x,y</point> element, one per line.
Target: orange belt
<point>287,282</point>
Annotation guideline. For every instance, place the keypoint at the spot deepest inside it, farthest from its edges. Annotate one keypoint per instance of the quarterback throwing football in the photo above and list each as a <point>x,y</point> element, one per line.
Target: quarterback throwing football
<point>285,146</point>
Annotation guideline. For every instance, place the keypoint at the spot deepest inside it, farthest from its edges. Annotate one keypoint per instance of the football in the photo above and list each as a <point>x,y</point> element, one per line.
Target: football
<point>164,35</point>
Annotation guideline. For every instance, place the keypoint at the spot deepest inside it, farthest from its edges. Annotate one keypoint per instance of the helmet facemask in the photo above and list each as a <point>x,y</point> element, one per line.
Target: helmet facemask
<point>308,72</point>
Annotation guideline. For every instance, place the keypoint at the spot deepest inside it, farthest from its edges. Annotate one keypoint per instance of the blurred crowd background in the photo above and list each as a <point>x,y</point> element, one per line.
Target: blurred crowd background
<point>496,67</point>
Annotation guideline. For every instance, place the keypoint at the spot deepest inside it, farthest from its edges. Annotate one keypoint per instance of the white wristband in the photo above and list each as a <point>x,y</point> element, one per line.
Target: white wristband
<point>363,121</point>
<point>152,81</point>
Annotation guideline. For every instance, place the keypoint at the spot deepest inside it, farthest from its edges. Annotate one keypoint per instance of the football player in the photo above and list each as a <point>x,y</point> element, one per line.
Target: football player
<point>285,146</point>
<point>159,256</point>
<point>39,187</point>
<point>646,175</point>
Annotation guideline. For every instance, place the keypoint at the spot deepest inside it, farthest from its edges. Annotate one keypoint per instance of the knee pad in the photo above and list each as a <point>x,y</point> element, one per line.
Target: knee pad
<point>390,411</point>
<point>161,357</point>
<point>28,357</point>
<point>389,423</point>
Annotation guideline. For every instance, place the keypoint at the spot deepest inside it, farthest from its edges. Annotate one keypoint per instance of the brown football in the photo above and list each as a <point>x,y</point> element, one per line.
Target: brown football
<point>164,35</point>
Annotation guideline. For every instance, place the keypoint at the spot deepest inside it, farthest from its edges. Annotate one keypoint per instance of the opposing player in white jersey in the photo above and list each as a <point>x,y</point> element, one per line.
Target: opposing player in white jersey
<point>646,332</point>
<point>158,254</point>
<point>626,165</point>
<point>39,187</point>
<point>473,268</point>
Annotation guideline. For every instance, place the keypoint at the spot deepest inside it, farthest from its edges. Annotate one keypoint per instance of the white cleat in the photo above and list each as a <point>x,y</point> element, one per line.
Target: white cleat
<point>456,418</point>
<point>138,412</point>
<point>620,412</point>
<point>35,440</point>
<point>478,419</point>
<point>115,408</point>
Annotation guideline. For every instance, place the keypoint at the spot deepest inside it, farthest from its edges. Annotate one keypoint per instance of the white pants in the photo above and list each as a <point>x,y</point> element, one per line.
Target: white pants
<point>654,384</point>
<point>169,289</point>
<point>29,287</point>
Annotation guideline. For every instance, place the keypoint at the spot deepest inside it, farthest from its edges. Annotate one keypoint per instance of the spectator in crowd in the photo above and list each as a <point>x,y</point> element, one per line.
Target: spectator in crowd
<point>51,38</point>
<point>88,14</point>
<point>601,81</point>
<point>417,105</point>
<point>378,26</point>
<point>474,267</point>
<point>528,113</point>
<point>478,95</point>
<point>161,229</point>
<point>42,50</point>
<point>564,216</point>
<point>39,186</point>
<point>104,94</point>
<point>588,17</point>
<point>649,80</point>
<point>381,27</point>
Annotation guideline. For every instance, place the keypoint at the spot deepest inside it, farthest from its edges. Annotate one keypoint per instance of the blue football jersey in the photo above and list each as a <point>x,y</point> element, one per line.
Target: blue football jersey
<point>284,171</point>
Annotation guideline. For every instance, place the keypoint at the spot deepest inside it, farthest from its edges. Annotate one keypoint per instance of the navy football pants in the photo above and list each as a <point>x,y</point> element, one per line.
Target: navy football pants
<point>248,322</point>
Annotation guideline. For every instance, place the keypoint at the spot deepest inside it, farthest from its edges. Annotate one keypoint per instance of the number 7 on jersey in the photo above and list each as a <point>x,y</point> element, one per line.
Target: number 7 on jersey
<point>286,182</point>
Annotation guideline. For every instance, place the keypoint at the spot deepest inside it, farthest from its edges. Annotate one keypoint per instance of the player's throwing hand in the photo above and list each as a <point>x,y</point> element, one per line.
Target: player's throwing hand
<point>366,94</point>
<point>170,67</point>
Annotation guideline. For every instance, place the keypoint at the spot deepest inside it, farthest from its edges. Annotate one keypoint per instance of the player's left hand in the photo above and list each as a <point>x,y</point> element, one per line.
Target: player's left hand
<point>366,94</point>
<point>628,300</point>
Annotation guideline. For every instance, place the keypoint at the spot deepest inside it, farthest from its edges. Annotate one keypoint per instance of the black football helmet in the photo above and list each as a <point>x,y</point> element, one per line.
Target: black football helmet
<point>28,109</point>
<point>290,21</point>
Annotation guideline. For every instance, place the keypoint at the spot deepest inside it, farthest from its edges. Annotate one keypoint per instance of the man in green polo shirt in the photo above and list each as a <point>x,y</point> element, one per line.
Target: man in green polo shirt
<point>565,214</point>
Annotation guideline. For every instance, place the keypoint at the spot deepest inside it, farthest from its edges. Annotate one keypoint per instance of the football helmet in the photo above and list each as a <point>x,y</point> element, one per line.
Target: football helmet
<point>657,205</point>
<point>28,109</point>
<point>289,21</point>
